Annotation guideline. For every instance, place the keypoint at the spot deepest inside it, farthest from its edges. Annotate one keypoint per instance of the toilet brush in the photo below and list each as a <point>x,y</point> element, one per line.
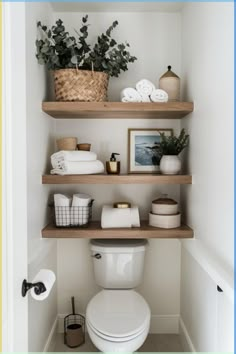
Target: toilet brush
<point>74,328</point>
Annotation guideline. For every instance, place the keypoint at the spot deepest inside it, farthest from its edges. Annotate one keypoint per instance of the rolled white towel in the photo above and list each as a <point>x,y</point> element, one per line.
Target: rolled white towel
<point>145,87</point>
<point>145,98</point>
<point>129,94</point>
<point>79,168</point>
<point>62,205</point>
<point>115,217</point>
<point>59,157</point>
<point>159,95</point>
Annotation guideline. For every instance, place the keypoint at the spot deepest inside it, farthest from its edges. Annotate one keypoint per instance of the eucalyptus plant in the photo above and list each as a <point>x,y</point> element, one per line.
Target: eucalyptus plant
<point>172,145</point>
<point>57,49</point>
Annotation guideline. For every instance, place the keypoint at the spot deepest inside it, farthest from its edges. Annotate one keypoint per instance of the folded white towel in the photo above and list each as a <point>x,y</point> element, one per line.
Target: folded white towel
<point>62,209</point>
<point>145,87</point>
<point>57,159</point>
<point>129,94</point>
<point>79,168</point>
<point>159,95</point>
<point>115,217</point>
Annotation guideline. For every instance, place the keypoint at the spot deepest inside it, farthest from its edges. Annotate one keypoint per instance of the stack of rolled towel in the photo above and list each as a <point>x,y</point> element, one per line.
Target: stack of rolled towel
<point>72,211</point>
<point>145,91</point>
<point>75,163</point>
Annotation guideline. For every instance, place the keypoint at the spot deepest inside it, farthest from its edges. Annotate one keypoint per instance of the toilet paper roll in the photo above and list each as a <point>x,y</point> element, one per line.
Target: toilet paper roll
<point>115,217</point>
<point>47,277</point>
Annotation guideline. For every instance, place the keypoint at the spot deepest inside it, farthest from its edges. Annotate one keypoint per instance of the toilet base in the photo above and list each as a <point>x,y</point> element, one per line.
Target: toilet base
<point>129,346</point>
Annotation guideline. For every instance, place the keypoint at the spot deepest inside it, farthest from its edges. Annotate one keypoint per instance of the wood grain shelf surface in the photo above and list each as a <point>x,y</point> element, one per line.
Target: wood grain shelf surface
<point>120,110</point>
<point>117,179</point>
<point>94,230</point>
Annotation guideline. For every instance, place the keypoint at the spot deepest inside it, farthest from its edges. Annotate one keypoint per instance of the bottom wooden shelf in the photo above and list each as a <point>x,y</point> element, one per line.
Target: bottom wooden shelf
<point>94,230</point>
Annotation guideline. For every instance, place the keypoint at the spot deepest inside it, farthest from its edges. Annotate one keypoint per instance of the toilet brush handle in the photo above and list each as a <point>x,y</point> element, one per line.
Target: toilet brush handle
<point>73,305</point>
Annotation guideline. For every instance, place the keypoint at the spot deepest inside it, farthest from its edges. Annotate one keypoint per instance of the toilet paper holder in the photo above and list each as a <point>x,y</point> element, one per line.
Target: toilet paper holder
<point>39,287</point>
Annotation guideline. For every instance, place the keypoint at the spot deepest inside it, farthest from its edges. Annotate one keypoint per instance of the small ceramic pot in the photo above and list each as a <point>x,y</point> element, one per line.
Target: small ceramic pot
<point>165,221</point>
<point>164,206</point>
<point>170,164</point>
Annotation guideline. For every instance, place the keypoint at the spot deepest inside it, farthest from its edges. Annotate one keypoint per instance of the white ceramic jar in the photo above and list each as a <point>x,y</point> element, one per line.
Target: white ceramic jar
<point>164,206</point>
<point>170,165</point>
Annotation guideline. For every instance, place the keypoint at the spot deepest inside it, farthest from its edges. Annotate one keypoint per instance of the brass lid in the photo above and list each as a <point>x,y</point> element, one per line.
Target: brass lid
<point>122,205</point>
<point>164,201</point>
<point>169,73</point>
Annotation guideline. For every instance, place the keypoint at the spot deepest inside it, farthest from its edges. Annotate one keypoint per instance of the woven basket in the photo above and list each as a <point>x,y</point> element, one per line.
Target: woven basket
<point>80,85</point>
<point>68,144</point>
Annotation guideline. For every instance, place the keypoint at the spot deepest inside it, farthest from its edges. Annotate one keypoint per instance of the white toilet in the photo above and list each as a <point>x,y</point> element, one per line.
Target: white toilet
<point>118,318</point>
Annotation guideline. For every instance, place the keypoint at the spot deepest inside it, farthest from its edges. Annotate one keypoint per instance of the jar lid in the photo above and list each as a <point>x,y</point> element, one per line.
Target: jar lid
<point>169,73</point>
<point>168,201</point>
<point>122,205</point>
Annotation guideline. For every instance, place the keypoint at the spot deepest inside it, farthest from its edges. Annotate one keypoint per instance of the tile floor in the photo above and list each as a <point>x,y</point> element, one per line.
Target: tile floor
<point>153,343</point>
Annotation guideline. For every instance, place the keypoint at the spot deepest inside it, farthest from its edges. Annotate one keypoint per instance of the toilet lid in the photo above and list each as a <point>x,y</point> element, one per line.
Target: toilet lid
<point>118,313</point>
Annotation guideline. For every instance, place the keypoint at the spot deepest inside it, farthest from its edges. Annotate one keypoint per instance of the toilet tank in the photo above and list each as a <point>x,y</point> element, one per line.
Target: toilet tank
<point>118,264</point>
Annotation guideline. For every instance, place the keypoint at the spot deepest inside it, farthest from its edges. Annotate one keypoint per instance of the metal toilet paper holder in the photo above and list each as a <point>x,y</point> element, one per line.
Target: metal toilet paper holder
<point>39,287</point>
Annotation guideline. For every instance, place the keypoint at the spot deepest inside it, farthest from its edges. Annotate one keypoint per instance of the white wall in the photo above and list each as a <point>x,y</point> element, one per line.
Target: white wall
<point>75,275</point>
<point>207,68</point>
<point>40,143</point>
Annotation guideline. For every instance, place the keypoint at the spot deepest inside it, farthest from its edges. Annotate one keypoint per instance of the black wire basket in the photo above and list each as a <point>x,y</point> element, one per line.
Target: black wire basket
<point>65,216</point>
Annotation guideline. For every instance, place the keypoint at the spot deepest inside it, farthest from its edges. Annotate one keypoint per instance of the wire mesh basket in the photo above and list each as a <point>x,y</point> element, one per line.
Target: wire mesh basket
<point>75,216</point>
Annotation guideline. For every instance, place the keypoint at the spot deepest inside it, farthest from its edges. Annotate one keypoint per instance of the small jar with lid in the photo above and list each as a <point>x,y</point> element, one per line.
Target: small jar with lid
<point>170,82</point>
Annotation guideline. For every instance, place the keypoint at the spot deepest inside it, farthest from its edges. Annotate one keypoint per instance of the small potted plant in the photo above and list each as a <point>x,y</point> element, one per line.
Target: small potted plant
<point>170,148</point>
<point>81,72</point>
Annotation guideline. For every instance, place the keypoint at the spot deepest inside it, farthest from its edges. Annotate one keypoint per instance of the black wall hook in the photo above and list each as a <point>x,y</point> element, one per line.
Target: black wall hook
<point>39,287</point>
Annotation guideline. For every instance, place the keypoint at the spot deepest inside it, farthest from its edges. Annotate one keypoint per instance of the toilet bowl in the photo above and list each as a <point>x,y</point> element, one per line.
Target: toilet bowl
<point>118,320</point>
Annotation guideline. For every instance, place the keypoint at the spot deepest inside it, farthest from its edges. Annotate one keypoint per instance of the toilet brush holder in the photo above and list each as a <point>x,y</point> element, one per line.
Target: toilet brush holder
<point>74,328</point>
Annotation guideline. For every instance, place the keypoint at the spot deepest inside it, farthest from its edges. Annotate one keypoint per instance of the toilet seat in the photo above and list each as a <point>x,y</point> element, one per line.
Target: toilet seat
<point>118,315</point>
<point>114,339</point>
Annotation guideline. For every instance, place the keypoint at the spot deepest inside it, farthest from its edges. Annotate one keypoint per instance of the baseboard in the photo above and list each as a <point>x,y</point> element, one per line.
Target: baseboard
<point>159,323</point>
<point>51,341</point>
<point>185,337</point>
<point>164,324</point>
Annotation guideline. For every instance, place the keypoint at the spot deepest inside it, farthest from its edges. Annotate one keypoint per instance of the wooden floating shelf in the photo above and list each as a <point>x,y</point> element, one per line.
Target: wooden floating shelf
<point>117,179</point>
<point>94,230</point>
<point>120,110</point>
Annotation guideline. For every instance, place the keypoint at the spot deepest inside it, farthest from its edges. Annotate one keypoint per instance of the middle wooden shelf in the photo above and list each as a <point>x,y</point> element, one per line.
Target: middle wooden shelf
<point>117,179</point>
<point>94,230</point>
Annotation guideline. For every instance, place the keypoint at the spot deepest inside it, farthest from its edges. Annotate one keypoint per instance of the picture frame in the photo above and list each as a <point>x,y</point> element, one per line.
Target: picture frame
<point>141,149</point>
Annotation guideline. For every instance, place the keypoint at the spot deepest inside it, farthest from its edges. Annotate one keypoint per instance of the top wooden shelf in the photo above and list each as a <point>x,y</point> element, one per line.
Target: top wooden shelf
<point>121,110</point>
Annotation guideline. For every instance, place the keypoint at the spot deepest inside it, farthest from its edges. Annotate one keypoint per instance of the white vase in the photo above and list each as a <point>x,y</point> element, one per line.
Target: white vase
<point>170,164</point>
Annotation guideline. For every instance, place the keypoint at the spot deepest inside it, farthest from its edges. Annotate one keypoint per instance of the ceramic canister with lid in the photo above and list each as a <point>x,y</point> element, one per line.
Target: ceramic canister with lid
<point>164,206</point>
<point>170,83</point>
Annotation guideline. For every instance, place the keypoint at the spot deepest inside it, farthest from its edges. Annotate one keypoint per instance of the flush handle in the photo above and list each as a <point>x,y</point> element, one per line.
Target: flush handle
<point>97,256</point>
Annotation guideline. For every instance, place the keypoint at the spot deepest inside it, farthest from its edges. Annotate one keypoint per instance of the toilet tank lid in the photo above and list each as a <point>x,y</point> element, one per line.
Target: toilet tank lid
<point>117,245</point>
